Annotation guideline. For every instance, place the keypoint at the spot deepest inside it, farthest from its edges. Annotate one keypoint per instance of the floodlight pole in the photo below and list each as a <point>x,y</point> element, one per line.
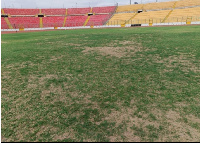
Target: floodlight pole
<point>130,2</point>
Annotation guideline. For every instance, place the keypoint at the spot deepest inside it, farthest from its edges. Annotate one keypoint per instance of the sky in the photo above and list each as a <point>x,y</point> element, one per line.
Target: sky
<point>68,3</point>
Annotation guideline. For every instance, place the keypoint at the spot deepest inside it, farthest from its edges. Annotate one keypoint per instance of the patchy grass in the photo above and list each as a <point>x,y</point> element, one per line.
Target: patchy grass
<point>128,84</point>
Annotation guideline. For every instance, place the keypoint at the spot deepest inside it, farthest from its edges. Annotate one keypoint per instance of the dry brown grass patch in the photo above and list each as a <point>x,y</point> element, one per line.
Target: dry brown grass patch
<point>3,42</point>
<point>127,42</point>
<point>48,76</point>
<point>54,58</point>
<point>181,129</point>
<point>46,128</point>
<point>126,117</point>
<point>5,75</point>
<point>184,62</point>
<point>115,51</point>
<point>68,134</point>
<point>3,139</point>
<point>193,119</point>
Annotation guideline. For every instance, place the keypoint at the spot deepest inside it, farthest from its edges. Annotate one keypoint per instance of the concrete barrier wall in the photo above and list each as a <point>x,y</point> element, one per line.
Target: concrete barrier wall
<point>103,26</point>
<point>198,22</point>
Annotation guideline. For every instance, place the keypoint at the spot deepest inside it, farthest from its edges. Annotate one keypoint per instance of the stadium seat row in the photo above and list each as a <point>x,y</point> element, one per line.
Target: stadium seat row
<point>54,21</point>
<point>176,15</point>
<point>158,6</point>
<point>70,11</point>
<point>108,9</point>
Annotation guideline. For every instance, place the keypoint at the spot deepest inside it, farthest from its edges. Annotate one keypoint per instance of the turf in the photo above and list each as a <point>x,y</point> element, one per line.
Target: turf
<point>124,84</point>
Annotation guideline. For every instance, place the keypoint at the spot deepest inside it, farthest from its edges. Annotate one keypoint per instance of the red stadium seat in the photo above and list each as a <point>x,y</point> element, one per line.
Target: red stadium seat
<point>75,17</point>
<point>73,11</point>
<point>56,21</point>
<point>108,9</point>
<point>12,11</point>
<point>73,21</point>
<point>97,20</point>
<point>54,11</point>
<point>25,22</point>
<point>4,25</point>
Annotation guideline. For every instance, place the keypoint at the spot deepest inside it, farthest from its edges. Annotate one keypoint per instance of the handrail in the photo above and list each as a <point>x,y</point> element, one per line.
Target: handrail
<point>112,15</point>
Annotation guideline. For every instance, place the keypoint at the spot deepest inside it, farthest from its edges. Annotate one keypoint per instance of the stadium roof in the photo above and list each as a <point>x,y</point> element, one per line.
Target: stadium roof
<point>68,3</point>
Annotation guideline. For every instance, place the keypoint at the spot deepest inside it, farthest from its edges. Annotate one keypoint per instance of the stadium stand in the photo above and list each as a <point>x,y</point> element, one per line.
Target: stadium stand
<point>78,11</point>
<point>157,12</point>
<point>120,18</point>
<point>187,3</point>
<point>55,21</point>
<point>4,25</point>
<point>129,8</point>
<point>73,21</point>
<point>109,9</point>
<point>13,12</point>
<point>25,22</point>
<point>144,17</point>
<point>53,11</point>
<point>179,15</point>
<point>98,19</point>
<point>159,5</point>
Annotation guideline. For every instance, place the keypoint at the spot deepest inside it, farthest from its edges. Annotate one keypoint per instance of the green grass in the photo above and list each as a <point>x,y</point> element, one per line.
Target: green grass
<point>124,84</point>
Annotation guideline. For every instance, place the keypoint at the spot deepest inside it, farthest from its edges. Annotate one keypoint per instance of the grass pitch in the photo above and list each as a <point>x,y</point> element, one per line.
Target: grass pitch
<point>126,84</point>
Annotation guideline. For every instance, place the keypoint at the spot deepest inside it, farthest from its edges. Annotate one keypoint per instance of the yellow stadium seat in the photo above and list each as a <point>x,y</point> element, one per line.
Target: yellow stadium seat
<point>155,16</point>
<point>187,3</point>
<point>129,8</point>
<point>159,5</point>
<point>181,15</point>
<point>120,18</point>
